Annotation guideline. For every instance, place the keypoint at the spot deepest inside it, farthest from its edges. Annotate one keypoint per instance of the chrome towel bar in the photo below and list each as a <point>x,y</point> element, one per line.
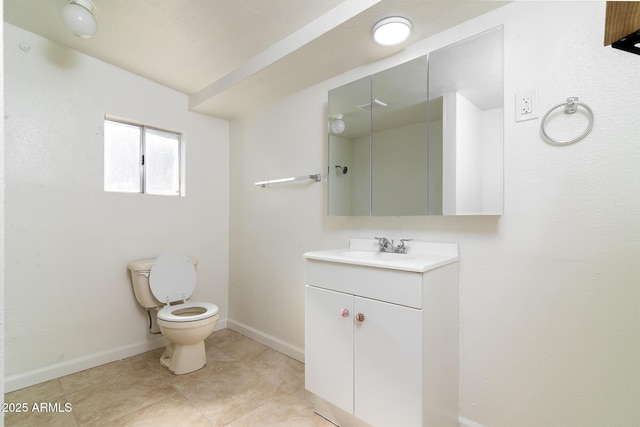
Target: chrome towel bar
<point>316,177</point>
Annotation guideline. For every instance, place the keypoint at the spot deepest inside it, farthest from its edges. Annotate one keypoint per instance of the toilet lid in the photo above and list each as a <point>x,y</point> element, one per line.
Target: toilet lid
<point>172,277</point>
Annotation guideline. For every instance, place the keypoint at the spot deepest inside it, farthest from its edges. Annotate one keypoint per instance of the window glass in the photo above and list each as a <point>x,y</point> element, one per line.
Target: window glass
<point>122,154</point>
<point>162,162</point>
<point>140,159</point>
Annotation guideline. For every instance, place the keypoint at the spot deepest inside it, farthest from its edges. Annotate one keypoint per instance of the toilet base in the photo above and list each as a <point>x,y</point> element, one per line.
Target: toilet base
<point>185,350</point>
<point>182,359</point>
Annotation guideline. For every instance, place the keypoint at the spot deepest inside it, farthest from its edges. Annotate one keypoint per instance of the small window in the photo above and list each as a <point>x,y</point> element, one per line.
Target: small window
<point>141,159</point>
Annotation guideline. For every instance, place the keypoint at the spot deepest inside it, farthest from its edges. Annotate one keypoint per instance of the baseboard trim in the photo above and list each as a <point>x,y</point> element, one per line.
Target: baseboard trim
<point>57,370</point>
<point>463,422</point>
<point>268,340</point>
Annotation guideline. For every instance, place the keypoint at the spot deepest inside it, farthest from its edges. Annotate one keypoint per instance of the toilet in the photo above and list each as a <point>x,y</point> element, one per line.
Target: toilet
<point>164,285</point>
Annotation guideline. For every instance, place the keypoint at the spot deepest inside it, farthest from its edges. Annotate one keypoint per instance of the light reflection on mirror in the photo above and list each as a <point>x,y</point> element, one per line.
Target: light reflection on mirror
<point>466,80</point>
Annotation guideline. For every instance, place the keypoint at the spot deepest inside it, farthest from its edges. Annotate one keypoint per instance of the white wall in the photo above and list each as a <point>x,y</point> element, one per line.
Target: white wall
<point>69,302</point>
<point>549,291</point>
<point>2,185</point>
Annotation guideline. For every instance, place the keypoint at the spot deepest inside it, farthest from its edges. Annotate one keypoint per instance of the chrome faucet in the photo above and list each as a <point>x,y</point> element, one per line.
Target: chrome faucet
<point>386,245</point>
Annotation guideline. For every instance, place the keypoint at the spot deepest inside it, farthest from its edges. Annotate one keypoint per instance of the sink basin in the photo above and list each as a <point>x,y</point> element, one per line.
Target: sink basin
<point>421,256</point>
<point>391,256</point>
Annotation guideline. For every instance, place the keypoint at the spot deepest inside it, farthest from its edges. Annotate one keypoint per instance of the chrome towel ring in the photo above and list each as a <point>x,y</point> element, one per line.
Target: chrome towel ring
<point>570,107</point>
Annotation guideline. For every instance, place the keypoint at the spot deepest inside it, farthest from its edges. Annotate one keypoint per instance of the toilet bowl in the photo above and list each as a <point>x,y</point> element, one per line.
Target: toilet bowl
<point>186,326</point>
<point>185,350</point>
<point>164,285</point>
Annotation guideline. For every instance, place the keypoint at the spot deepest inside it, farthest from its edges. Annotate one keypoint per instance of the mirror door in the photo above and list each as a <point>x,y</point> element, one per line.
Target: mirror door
<point>422,138</point>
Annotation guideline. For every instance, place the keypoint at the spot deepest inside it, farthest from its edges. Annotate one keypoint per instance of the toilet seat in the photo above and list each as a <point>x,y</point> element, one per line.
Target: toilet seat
<point>172,277</point>
<point>188,312</point>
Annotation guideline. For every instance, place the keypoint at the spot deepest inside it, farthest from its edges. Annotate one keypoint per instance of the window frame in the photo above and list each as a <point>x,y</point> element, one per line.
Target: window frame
<point>142,161</point>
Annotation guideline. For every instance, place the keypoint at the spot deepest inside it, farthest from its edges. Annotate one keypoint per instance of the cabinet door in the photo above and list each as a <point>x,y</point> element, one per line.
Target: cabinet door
<point>388,364</point>
<point>329,346</point>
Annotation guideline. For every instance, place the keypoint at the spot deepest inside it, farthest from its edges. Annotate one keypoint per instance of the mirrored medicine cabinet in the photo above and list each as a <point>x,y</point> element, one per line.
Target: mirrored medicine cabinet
<point>422,138</point>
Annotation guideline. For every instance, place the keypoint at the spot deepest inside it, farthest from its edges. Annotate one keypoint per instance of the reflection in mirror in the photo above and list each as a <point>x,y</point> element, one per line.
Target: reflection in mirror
<point>381,136</point>
<point>398,140</point>
<point>350,148</point>
<point>466,88</point>
<point>422,138</point>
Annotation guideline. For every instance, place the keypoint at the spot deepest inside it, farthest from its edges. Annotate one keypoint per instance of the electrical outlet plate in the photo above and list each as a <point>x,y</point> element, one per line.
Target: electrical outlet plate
<point>526,105</point>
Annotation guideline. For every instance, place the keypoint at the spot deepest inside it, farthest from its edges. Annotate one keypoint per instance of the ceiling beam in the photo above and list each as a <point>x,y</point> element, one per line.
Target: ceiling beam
<point>294,41</point>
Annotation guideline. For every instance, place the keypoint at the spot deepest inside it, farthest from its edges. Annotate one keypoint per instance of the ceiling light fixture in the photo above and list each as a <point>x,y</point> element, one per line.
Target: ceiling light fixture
<point>78,17</point>
<point>336,124</point>
<point>391,31</point>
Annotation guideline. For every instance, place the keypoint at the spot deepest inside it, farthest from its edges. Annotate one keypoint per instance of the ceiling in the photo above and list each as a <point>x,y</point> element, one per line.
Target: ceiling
<point>233,56</point>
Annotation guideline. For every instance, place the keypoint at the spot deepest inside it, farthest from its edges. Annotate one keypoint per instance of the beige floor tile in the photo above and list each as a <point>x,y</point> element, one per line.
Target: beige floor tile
<point>235,345</point>
<point>90,377</point>
<point>280,370</point>
<point>122,372</point>
<point>44,392</point>
<point>149,361</point>
<point>226,391</point>
<point>214,355</point>
<point>176,411</point>
<point>284,411</point>
<point>53,414</point>
<point>221,336</point>
<point>102,403</point>
<point>244,383</point>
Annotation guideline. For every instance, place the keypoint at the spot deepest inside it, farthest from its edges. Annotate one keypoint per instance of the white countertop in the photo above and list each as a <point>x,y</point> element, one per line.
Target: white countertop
<point>420,256</point>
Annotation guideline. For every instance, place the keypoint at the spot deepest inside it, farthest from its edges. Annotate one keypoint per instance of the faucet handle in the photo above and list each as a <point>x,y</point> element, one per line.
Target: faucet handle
<point>385,244</point>
<point>401,247</point>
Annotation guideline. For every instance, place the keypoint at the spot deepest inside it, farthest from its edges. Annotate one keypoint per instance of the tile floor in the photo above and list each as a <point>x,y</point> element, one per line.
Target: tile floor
<point>243,384</point>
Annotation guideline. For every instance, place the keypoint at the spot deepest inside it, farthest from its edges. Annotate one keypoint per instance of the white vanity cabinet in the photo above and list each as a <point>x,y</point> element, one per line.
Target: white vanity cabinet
<point>381,344</point>
<point>347,355</point>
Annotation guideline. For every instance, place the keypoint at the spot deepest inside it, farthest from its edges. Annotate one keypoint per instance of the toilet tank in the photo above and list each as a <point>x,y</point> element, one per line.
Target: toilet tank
<point>140,270</point>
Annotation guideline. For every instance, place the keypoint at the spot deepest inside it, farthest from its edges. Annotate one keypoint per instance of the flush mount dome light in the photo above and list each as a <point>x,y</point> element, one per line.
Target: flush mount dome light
<point>78,17</point>
<point>337,124</point>
<point>390,31</point>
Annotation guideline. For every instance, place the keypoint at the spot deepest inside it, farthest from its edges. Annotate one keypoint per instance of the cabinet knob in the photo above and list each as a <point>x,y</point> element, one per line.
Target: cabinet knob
<point>344,312</point>
<point>360,317</point>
